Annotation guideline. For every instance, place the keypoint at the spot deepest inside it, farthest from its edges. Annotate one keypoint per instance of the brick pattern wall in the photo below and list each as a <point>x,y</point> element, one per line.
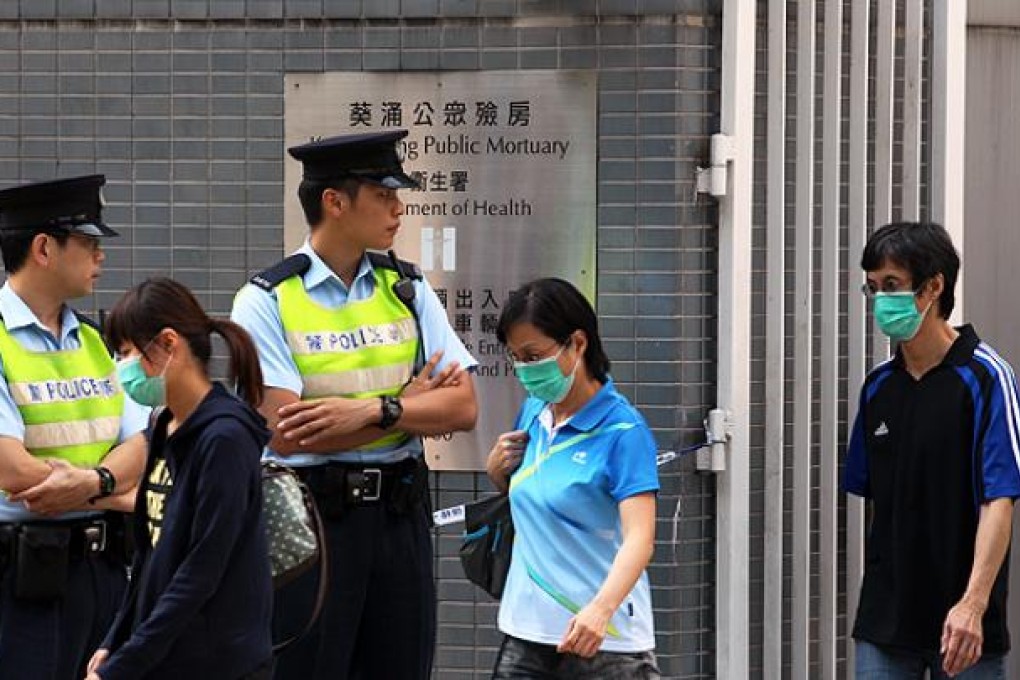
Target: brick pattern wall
<point>180,104</point>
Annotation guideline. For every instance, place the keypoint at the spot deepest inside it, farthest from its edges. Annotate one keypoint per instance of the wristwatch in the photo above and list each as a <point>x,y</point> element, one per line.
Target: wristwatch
<point>107,482</point>
<point>391,411</point>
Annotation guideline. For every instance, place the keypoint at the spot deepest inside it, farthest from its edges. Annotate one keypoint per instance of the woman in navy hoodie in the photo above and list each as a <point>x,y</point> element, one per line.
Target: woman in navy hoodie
<point>200,596</point>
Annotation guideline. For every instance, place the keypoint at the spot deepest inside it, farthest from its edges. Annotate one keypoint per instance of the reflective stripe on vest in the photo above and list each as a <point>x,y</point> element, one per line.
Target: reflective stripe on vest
<point>70,400</point>
<point>364,348</point>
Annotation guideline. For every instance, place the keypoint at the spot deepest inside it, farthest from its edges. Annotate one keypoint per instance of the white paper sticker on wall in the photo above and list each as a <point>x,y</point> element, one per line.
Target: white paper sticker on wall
<point>428,237</point>
<point>449,249</point>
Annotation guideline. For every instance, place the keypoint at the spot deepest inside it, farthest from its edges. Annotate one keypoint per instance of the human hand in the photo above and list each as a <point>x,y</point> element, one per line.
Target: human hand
<point>586,631</point>
<point>425,380</point>
<point>310,422</point>
<point>506,453</point>
<point>97,660</point>
<point>66,488</point>
<point>962,637</point>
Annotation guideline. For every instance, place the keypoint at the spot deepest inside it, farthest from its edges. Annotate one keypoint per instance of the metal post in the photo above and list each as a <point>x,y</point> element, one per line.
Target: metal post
<point>802,343</point>
<point>857,233</point>
<point>733,490</point>
<point>949,83</point>
<point>828,530</point>
<point>913,37</point>
<point>885,35</point>
<point>885,39</point>
<point>775,343</point>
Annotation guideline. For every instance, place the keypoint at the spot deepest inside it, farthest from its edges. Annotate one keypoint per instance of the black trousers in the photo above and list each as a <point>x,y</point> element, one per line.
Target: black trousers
<point>54,640</point>
<point>379,620</point>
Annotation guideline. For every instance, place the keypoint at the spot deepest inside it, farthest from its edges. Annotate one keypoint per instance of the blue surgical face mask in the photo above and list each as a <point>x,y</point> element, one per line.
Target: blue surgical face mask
<point>143,389</point>
<point>544,380</point>
<point>897,315</point>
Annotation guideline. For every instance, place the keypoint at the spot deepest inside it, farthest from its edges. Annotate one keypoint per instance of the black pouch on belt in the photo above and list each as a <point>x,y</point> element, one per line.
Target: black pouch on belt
<point>409,488</point>
<point>326,482</point>
<point>8,534</point>
<point>40,570</point>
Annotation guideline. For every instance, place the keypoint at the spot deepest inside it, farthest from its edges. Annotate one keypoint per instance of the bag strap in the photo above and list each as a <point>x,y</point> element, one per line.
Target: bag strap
<point>159,423</point>
<point>409,272</point>
<point>320,594</point>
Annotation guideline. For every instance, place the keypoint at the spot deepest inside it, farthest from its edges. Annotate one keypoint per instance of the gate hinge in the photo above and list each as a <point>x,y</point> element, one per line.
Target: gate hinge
<point>713,179</point>
<point>718,432</point>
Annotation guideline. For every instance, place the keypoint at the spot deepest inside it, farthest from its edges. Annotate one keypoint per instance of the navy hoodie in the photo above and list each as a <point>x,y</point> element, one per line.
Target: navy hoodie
<point>200,600</point>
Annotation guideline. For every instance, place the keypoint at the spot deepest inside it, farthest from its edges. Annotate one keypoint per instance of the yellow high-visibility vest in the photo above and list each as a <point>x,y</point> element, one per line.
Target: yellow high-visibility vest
<point>70,400</point>
<point>364,348</point>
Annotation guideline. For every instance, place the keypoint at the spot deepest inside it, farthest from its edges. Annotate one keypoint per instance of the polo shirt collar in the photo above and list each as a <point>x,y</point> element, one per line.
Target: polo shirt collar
<point>959,353</point>
<point>962,349</point>
<point>319,272</point>
<point>16,314</point>
<point>595,411</point>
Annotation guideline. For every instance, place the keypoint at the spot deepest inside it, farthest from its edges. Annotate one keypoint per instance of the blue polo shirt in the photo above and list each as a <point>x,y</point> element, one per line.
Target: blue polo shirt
<point>259,313</point>
<point>928,453</point>
<point>565,501</point>
<point>25,327</point>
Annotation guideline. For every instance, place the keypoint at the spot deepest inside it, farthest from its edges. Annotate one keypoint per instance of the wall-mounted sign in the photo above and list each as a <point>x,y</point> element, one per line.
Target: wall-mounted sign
<point>506,160</point>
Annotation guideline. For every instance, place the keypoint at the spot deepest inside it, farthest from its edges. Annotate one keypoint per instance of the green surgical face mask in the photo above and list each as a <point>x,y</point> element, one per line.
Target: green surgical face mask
<point>897,315</point>
<point>144,390</point>
<point>544,380</point>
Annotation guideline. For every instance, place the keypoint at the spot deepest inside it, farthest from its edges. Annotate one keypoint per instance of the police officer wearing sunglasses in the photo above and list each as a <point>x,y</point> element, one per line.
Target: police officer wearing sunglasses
<point>71,448</point>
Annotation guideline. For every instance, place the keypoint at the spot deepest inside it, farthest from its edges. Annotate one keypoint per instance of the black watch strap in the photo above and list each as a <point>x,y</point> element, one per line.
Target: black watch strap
<point>392,409</point>
<point>107,482</point>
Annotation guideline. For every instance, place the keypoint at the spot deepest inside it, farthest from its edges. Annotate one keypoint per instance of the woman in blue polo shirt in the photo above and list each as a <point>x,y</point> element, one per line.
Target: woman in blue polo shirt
<point>580,470</point>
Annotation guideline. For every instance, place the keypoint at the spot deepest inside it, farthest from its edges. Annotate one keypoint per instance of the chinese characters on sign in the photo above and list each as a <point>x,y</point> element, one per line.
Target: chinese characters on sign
<point>506,163</point>
<point>390,114</point>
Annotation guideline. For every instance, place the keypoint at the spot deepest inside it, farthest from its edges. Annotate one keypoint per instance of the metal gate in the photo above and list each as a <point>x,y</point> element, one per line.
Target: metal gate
<point>875,134</point>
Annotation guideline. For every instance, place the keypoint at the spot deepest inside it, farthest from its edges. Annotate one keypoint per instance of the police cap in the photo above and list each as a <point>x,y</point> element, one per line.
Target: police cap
<point>72,205</point>
<point>371,157</point>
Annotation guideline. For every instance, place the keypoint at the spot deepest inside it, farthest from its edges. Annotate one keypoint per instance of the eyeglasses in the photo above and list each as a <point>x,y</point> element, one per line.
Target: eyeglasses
<point>870,291</point>
<point>532,357</point>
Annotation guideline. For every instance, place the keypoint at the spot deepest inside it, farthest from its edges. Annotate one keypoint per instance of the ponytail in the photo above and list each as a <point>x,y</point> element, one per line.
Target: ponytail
<point>160,303</point>
<point>245,371</point>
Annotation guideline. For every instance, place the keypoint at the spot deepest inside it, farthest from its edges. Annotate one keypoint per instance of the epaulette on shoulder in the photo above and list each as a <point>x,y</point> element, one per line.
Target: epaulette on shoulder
<point>270,278</point>
<point>410,269</point>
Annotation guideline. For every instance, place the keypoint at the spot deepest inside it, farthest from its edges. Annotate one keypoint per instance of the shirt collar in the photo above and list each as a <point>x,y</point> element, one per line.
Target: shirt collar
<point>319,272</point>
<point>959,353</point>
<point>596,410</point>
<point>16,314</point>
<point>962,349</point>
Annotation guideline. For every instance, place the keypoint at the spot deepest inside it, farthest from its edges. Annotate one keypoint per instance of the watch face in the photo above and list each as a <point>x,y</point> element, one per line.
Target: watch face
<point>391,411</point>
<point>106,481</point>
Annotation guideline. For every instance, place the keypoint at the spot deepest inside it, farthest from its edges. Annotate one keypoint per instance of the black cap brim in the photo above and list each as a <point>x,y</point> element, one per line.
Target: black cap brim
<point>394,180</point>
<point>93,229</point>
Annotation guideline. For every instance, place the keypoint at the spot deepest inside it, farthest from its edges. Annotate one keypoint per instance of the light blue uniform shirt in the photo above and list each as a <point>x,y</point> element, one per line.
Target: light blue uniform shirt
<point>565,501</point>
<point>257,312</point>
<point>25,327</point>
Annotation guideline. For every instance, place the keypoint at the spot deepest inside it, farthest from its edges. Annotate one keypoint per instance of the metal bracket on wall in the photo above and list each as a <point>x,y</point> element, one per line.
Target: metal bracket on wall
<point>718,430</point>
<point>713,179</point>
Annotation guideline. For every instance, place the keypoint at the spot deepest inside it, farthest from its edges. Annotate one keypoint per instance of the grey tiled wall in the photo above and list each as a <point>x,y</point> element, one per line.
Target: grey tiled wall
<point>180,104</point>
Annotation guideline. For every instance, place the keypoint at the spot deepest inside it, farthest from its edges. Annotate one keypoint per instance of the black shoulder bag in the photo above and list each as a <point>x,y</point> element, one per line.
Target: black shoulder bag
<point>488,543</point>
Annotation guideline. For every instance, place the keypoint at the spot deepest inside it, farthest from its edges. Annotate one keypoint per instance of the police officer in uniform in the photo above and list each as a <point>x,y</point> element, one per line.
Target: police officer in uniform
<point>343,333</point>
<point>70,442</point>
